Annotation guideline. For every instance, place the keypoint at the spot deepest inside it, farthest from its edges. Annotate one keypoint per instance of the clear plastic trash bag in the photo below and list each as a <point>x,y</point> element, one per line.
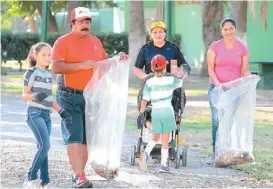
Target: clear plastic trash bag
<point>106,106</point>
<point>235,102</point>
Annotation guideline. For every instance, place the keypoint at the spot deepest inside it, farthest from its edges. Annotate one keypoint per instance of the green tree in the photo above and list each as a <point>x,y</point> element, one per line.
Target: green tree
<point>212,15</point>
<point>28,8</point>
<point>137,35</point>
<point>6,20</point>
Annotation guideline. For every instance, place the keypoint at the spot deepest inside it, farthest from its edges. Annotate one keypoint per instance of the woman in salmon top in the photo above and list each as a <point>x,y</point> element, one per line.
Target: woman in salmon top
<point>227,60</point>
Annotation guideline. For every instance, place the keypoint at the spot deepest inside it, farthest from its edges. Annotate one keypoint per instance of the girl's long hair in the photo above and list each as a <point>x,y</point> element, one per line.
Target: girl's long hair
<point>35,49</point>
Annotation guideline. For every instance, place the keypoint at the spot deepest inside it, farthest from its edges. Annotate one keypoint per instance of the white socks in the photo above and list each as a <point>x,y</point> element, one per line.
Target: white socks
<point>151,144</point>
<point>164,152</point>
<point>164,156</point>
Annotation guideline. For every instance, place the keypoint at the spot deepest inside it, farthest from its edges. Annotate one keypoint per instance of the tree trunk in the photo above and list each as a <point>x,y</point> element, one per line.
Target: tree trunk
<point>159,14</point>
<point>263,12</point>
<point>70,6</point>
<point>21,66</point>
<point>238,13</point>
<point>212,15</point>
<point>137,35</point>
<point>52,24</point>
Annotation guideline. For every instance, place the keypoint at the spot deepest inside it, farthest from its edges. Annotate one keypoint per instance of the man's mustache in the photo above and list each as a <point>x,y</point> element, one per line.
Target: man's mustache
<point>85,29</point>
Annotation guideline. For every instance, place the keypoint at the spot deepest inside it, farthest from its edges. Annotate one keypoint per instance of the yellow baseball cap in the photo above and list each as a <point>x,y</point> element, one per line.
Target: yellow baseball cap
<point>159,24</point>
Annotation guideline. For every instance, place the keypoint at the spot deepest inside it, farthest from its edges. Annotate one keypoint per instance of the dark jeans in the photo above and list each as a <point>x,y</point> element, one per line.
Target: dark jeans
<point>40,124</point>
<point>75,104</point>
<point>63,128</point>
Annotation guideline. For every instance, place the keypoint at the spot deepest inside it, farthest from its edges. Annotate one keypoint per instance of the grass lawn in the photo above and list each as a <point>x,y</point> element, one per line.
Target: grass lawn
<point>198,132</point>
<point>13,84</point>
<point>15,65</point>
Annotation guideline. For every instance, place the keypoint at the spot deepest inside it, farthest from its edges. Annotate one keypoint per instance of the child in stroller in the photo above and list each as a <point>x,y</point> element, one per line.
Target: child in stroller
<point>158,89</point>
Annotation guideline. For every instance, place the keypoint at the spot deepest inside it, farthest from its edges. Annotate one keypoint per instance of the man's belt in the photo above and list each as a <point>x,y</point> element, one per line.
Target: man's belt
<point>70,90</point>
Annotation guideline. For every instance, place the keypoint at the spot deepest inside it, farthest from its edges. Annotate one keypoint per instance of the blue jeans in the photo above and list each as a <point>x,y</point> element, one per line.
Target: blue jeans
<point>40,124</point>
<point>214,116</point>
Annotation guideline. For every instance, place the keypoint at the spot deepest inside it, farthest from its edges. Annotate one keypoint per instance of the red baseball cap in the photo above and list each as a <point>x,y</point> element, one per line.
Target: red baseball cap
<point>158,62</point>
<point>80,13</point>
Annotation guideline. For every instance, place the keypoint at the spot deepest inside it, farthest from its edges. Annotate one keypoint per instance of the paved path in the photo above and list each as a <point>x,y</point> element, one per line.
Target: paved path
<point>18,147</point>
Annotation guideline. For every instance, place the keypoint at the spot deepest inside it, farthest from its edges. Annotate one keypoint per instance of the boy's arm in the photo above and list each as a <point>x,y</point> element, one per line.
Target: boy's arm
<point>178,83</point>
<point>143,105</point>
<point>140,117</point>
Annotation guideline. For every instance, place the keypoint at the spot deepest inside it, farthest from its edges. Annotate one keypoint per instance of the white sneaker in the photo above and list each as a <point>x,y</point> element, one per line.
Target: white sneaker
<point>46,185</point>
<point>28,184</point>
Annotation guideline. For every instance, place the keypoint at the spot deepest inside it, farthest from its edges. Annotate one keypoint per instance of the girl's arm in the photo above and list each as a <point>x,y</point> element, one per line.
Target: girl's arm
<point>26,95</point>
<point>64,114</point>
<point>244,71</point>
<point>56,106</point>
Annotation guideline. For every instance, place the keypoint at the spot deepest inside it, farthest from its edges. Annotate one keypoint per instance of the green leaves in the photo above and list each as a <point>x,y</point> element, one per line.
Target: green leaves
<point>20,8</point>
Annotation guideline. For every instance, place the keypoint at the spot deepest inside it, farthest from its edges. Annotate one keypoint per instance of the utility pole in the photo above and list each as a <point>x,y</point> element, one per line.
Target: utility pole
<point>163,10</point>
<point>169,19</point>
<point>44,20</point>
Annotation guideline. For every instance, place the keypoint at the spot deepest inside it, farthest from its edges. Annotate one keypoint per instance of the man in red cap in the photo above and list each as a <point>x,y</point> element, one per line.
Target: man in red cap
<point>159,91</point>
<point>73,59</point>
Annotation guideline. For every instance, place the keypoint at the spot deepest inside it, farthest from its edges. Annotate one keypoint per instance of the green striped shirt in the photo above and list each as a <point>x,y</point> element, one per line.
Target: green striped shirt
<point>159,90</point>
<point>40,81</point>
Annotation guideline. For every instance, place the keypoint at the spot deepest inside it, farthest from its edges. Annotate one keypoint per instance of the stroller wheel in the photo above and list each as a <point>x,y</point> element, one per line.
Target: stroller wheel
<point>184,157</point>
<point>177,158</point>
<point>138,147</point>
<point>172,153</point>
<point>132,158</point>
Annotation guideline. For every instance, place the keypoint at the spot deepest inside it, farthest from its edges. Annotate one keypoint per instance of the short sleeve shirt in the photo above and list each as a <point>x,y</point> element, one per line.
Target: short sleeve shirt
<point>40,81</point>
<point>159,90</point>
<point>72,49</point>
<point>228,62</point>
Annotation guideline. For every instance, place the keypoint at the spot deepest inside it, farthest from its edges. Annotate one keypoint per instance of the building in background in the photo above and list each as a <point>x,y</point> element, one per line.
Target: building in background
<point>186,21</point>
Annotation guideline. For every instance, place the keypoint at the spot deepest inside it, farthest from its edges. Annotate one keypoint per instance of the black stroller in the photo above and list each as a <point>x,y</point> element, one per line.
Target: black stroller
<point>175,154</point>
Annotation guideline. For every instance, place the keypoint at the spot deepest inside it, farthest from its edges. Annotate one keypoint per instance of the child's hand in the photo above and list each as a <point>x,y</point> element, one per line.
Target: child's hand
<point>140,119</point>
<point>39,97</point>
<point>185,76</point>
<point>66,117</point>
